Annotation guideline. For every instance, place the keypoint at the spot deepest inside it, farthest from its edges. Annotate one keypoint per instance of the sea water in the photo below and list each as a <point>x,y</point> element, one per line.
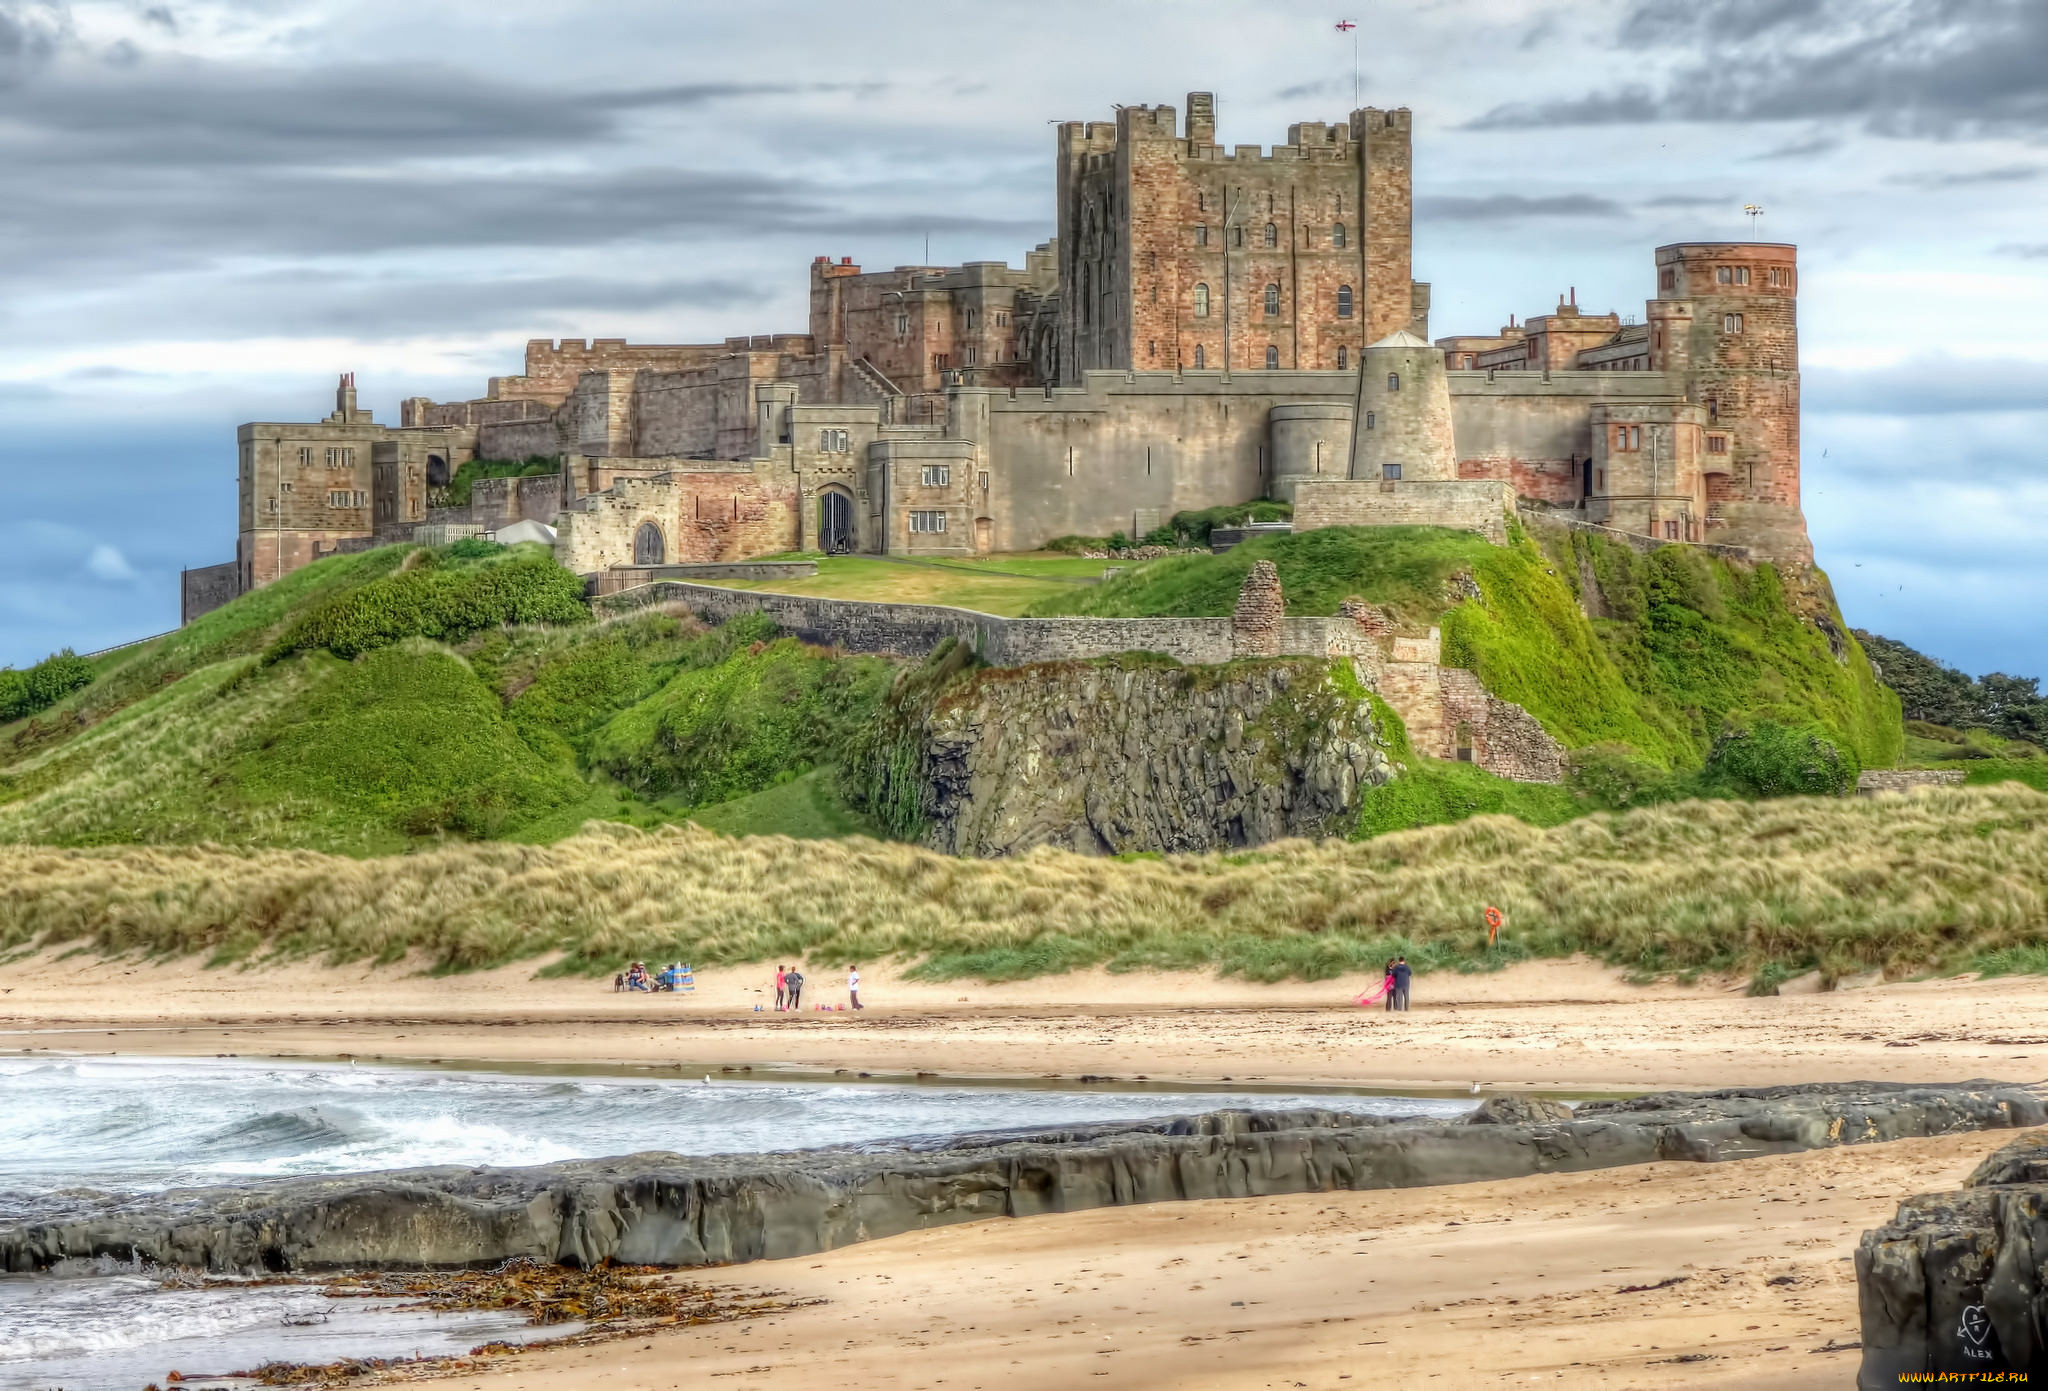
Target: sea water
<point>71,1128</point>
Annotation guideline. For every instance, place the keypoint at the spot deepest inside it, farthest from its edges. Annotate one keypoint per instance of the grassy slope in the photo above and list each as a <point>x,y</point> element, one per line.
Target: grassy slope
<point>987,586</point>
<point>1946,879</point>
<point>1691,641</point>
<point>193,738</point>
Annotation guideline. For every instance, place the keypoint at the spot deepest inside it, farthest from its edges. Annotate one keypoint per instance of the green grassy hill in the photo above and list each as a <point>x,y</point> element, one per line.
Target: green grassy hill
<point>372,703</point>
<point>1647,662</point>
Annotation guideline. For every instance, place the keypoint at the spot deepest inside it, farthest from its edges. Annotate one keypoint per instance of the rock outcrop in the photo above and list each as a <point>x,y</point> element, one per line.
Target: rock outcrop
<point>1144,755</point>
<point>665,1209</point>
<point>1958,1282</point>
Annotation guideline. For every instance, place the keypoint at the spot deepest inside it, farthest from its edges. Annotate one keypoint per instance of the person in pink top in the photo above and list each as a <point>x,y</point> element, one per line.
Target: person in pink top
<point>781,986</point>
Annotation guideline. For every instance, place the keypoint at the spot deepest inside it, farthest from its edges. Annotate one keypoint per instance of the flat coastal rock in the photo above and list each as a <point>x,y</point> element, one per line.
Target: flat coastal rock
<point>666,1209</point>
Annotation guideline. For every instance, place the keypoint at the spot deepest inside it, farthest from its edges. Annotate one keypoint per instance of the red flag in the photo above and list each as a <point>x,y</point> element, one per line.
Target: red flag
<point>1345,26</point>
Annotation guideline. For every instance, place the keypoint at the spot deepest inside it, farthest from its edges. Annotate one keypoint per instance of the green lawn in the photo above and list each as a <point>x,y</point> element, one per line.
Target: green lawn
<point>988,584</point>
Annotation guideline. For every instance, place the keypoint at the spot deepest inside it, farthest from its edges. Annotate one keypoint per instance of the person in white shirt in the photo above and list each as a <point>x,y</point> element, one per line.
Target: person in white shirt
<point>853,987</point>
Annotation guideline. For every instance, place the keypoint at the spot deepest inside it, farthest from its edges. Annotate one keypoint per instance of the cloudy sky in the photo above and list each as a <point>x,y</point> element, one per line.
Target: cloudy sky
<point>216,205</point>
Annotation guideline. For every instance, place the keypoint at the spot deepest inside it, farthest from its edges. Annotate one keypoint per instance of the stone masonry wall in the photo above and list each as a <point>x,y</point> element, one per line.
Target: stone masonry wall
<point>1872,781</point>
<point>1465,504</point>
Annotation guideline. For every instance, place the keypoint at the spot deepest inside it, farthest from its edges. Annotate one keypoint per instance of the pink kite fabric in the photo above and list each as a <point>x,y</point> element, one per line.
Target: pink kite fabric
<point>1376,996</point>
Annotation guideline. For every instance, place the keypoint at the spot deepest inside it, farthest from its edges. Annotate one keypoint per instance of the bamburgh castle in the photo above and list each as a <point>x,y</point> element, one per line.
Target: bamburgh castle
<point>1208,325</point>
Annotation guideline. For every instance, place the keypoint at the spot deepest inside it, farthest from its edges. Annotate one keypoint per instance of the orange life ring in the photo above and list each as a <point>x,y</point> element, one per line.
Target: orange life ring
<point>1494,919</point>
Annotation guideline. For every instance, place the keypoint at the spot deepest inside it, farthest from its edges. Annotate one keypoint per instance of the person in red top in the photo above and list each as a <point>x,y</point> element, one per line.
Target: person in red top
<point>781,986</point>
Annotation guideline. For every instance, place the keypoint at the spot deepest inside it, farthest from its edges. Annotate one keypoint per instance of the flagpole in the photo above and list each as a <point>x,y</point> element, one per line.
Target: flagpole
<point>1345,26</point>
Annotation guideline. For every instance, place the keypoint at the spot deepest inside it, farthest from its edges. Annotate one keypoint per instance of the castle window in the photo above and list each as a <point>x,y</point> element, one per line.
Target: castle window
<point>833,442</point>
<point>1731,323</point>
<point>1724,275</point>
<point>1272,235</point>
<point>1343,301</point>
<point>931,522</point>
<point>1600,479</point>
<point>1201,357</point>
<point>305,458</point>
<point>1237,236</point>
<point>1717,444</point>
<point>348,458</point>
<point>1671,531</point>
<point>937,475</point>
<point>973,320</point>
<point>1371,419</point>
<point>1627,438</point>
<point>902,325</point>
<point>1003,316</point>
<point>970,355</point>
<point>1272,301</point>
<point>1272,356</point>
<point>1201,234</point>
<point>941,361</point>
<point>1667,279</point>
<point>1201,202</point>
<point>1269,208</point>
<point>1741,278</point>
<point>1343,358</point>
<point>1781,277</point>
<point>1393,381</point>
<point>1201,301</point>
<point>1340,205</point>
<point>333,458</point>
<point>1391,472</point>
<point>1337,236</point>
<point>1151,347</point>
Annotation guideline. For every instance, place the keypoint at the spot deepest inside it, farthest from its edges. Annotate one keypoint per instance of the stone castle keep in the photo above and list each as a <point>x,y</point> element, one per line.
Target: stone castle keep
<point>1208,326</point>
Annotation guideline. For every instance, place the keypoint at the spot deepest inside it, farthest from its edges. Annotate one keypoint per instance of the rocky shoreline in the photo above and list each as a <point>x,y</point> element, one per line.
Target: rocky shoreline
<point>670,1210</point>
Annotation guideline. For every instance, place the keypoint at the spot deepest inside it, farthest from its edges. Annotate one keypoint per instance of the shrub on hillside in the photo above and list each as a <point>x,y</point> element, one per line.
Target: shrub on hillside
<point>474,548</point>
<point>1767,759</point>
<point>24,693</point>
<point>443,603</point>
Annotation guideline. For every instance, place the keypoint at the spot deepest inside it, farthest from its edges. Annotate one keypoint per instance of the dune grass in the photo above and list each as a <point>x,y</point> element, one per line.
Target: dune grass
<point>1940,880</point>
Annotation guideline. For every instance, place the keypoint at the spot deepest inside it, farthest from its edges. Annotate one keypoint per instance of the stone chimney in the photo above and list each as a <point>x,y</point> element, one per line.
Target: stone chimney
<point>1255,627</point>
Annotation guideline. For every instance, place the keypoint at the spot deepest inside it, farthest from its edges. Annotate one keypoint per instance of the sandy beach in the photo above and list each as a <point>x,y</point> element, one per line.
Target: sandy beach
<point>1564,1026</point>
<point>1458,1285</point>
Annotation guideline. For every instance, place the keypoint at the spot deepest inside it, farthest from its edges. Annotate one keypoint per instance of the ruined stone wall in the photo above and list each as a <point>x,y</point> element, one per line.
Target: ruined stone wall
<point>703,516</point>
<point>1871,781</point>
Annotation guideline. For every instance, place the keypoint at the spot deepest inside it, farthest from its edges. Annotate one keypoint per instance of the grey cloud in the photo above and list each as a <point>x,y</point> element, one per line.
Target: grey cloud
<point>162,17</point>
<point>1300,90</point>
<point>30,35</point>
<point>2006,174</point>
<point>1687,200</point>
<point>1936,68</point>
<point>1804,149</point>
<point>1505,207</point>
<point>1930,385</point>
<point>2031,251</point>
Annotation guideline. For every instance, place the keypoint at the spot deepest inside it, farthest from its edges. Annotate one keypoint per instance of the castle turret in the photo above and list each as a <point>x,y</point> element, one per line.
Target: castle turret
<point>1403,419</point>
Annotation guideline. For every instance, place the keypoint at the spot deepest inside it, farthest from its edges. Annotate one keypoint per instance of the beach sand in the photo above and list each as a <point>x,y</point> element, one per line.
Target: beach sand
<point>1519,1282</point>
<point>1569,1026</point>
<point>1479,1284</point>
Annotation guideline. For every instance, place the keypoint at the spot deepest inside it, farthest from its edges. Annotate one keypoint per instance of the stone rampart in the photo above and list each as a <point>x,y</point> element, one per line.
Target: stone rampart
<point>1465,504</point>
<point>624,577</point>
<point>1542,517</point>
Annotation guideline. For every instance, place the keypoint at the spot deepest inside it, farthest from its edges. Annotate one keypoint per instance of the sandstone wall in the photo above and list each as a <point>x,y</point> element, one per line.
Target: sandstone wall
<point>1872,781</point>
<point>203,590</point>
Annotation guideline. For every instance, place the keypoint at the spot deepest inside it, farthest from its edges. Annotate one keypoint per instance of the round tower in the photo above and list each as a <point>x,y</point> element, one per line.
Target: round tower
<point>1403,418</point>
<point>1311,439</point>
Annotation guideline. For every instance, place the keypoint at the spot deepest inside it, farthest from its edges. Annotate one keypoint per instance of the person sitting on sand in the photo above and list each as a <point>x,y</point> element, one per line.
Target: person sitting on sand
<point>636,976</point>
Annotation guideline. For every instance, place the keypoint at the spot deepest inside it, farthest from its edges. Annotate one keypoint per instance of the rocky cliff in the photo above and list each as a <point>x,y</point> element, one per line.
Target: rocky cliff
<point>666,1209</point>
<point>1136,754</point>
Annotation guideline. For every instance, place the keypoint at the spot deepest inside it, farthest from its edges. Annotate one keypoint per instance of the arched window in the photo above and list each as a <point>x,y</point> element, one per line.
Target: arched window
<point>1272,301</point>
<point>1272,356</point>
<point>1201,301</point>
<point>1343,301</point>
<point>1272,235</point>
<point>1393,381</point>
<point>648,548</point>
<point>1371,419</point>
<point>1201,357</point>
<point>1343,358</point>
<point>1337,236</point>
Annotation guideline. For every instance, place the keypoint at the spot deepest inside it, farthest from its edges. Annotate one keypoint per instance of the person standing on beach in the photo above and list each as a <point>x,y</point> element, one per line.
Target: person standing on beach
<point>853,987</point>
<point>1387,986</point>
<point>1401,975</point>
<point>781,987</point>
<point>794,981</point>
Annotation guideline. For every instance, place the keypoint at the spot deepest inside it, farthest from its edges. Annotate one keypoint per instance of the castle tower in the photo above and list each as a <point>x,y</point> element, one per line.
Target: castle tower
<point>1176,254</point>
<point>1725,322</point>
<point>1403,419</point>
